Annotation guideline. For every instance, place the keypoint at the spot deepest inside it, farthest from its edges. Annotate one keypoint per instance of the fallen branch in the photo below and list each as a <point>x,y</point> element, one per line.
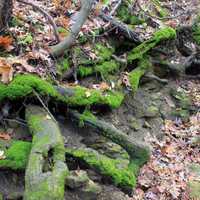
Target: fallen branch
<point>46,170</point>
<point>24,85</point>
<point>81,17</point>
<point>123,28</point>
<point>46,14</point>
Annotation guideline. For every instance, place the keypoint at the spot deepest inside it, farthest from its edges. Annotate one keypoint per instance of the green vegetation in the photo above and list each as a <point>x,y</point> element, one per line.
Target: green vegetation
<point>23,85</point>
<point>126,16</point>
<point>16,156</point>
<point>123,177</point>
<point>85,116</point>
<point>163,34</point>
<point>196,30</point>
<point>135,75</point>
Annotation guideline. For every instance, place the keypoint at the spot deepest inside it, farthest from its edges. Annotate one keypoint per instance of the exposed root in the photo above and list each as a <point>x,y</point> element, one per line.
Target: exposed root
<point>46,170</point>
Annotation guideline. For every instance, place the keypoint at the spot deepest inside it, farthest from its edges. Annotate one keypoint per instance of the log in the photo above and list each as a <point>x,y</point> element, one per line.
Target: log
<point>46,170</point>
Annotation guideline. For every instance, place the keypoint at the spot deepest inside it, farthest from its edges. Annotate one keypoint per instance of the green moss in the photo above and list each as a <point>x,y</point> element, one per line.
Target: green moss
<point>63,31</point>
<point>24,85</point>
<point>122,177</point>
<point>107,67</point>
<point>16,155</point>
<point>85,71</point>
<point>196,33</point>
<point>26,40</point>
<point>135,75</point>
<point>163,34</point>
<point>83,96</point>
<point>163,12</point>
<point>103,53</point>
<point>85,116</point>
<point>126,16</point>
<point>62,65</point>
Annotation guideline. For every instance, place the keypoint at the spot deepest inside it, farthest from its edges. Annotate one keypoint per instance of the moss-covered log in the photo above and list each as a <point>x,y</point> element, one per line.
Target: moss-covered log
<point>24,85</point>
<point>121,174</point>
<point>161,35</point>
<point>138,152</point>
<point>46,170</point>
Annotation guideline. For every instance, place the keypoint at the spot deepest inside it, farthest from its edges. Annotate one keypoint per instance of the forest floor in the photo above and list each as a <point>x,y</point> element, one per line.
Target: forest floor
<point>175,152</point>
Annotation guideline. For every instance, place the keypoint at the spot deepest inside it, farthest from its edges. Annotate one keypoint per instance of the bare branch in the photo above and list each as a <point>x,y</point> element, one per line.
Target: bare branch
<point>81,17</point>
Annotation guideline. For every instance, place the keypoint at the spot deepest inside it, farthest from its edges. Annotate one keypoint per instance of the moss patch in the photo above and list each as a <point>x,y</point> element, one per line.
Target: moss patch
<point>163,34</point>
<point>16,155</point>
<point>23,85</point>
<point>135,75</point>
<point>123,177</point>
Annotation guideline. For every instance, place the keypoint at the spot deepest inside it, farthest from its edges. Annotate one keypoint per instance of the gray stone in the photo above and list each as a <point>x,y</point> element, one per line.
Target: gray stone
<point>77,179</point>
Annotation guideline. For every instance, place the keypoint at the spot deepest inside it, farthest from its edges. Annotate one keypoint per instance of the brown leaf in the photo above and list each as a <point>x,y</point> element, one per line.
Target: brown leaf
<point>5,136</point>
<point>5,42</point>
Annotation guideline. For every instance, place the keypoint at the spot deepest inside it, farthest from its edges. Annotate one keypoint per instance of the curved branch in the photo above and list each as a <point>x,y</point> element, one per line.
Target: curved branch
<point>81,17</point>
<point>46,14</point>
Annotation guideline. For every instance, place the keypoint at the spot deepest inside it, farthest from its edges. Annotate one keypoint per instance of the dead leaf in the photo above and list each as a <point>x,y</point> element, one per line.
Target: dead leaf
<point>5,42</point>
<point>5,136</point>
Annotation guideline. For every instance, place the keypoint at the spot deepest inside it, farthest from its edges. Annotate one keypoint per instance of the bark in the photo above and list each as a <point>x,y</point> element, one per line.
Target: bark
<point>81,17</point>
<point>5,13</point>
<point>46,170</point>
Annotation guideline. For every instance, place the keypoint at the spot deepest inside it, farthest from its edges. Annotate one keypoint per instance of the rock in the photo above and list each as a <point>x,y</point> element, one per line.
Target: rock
<point>90,191</point>
<point>152,111</point>
<point>136,124</point>
<point>77,179</point>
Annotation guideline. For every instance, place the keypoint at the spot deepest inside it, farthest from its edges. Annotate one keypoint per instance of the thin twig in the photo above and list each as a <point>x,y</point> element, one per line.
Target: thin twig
<point>46,14</point>
<point>116,7</point>
<point>43,104</point>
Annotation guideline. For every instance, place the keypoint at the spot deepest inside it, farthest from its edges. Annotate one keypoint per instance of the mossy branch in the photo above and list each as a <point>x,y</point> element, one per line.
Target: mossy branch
<point>24,85</point>
<point>163,34</point>
<point>121,175</point>
<point>46,170</point>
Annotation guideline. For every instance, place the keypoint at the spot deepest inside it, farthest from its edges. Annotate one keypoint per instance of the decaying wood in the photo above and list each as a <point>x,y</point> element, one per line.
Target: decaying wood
<point>46,171</point>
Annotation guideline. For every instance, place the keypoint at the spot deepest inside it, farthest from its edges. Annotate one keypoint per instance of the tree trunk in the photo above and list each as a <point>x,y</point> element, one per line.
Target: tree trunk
<point>5,12</point>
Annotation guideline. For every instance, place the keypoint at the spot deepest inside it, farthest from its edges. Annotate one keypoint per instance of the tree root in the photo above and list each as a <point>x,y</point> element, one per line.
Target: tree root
<point>46,170</point>
<point>122,174</point>
<point>24,85</point>
<point>81,17</point>
<point>139,152</point>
